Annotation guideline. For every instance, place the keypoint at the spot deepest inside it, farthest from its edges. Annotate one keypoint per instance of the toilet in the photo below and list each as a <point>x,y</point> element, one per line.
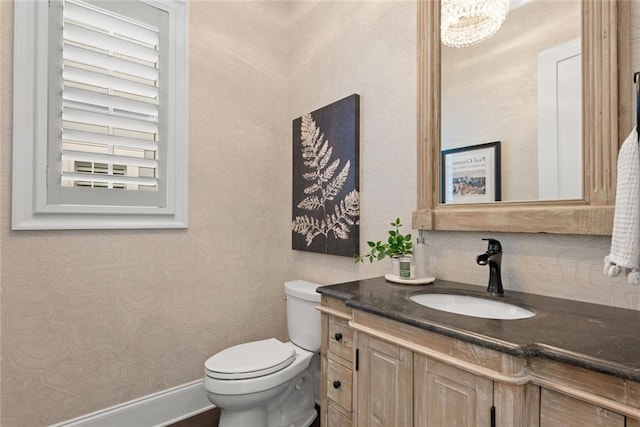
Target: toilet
<point>269,383</point>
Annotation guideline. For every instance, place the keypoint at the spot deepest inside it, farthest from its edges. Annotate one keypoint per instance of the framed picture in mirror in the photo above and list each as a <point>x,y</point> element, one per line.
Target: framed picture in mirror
<point>471,174</point>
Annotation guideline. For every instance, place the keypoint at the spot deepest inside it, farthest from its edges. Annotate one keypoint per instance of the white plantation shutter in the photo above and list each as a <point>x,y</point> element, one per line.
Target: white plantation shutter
<point>110,100</point>
<point>115,76</point>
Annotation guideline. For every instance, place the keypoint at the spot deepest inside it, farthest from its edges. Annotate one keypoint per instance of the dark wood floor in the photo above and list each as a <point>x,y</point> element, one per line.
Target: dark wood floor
<point>205,419</point>
<point>212,417</point>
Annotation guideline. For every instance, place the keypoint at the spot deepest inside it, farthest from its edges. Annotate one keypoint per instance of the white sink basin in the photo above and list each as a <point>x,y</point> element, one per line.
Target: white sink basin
<point>472,306</point>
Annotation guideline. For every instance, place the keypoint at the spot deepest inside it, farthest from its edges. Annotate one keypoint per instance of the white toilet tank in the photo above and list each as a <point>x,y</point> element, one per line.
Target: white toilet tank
<point>303,320</point>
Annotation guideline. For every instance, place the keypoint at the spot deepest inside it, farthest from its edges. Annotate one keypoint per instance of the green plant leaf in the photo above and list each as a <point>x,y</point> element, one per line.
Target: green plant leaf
<point>397,244</point>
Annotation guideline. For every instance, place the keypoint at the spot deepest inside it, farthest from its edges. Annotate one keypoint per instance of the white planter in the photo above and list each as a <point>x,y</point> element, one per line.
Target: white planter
<point>395,266</point>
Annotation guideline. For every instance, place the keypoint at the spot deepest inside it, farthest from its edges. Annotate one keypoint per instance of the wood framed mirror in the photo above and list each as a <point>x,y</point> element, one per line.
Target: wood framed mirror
<point>606,120</point>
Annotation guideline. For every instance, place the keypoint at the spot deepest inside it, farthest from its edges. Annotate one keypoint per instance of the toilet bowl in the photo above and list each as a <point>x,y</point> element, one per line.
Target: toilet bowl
<point>269,383</point>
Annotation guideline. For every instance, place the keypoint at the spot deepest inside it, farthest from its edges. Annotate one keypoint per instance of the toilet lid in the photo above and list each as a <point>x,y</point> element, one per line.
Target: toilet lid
<point>250,360</point>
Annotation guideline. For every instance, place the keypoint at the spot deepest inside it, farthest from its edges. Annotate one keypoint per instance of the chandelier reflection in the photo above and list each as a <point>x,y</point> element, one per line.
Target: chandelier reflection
<point>467,22</point>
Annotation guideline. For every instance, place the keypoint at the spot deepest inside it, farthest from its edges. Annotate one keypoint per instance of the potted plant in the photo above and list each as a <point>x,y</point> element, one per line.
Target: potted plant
<point>397,247</point>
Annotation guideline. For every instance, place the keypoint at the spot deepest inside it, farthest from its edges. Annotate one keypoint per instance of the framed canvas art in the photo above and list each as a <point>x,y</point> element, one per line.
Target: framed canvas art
<point>326,198</point>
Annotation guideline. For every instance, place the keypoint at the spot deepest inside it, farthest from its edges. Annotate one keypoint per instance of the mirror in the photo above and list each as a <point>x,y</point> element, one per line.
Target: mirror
<point>605,120</point>
<point>506,89</point>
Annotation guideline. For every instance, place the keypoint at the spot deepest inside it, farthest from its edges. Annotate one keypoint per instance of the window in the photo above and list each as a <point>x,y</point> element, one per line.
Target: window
<point>100,114</point>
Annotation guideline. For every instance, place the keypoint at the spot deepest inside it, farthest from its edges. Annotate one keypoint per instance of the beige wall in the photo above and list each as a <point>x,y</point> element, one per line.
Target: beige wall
<point>369,48</point>
<point>95,318</point>
<point>91,319</point>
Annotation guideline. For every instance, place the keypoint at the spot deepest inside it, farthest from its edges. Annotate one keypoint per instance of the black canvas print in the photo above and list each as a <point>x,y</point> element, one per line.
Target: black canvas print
<point>326,199</point>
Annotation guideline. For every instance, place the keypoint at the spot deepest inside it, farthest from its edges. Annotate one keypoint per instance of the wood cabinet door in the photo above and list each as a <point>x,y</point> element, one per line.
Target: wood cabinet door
<point>448,396</point>
<point>385,384</point>
<point>557,409</point>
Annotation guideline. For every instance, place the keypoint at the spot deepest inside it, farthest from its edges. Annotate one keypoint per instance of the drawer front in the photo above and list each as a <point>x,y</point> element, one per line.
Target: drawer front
<point>335,418</point>
<point>340,339</point>
<point>339,385</point>
<point>560,410</point>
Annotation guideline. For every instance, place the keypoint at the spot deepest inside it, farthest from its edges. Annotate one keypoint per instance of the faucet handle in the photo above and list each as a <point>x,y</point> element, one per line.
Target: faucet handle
<point>494,245</point>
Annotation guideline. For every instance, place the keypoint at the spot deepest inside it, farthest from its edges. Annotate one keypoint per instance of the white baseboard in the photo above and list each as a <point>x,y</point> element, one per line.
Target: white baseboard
<point>155,410</point>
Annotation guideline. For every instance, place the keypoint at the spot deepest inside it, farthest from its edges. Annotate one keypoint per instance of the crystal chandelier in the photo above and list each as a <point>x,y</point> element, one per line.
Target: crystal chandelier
<point>467,22</point>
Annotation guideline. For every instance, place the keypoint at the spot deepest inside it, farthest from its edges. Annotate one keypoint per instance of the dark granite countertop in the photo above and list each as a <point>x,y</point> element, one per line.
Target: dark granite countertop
<point>597,337</point>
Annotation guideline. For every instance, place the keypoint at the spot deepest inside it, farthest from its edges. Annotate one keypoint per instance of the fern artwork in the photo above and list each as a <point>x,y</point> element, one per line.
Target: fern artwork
<point>326,198</point>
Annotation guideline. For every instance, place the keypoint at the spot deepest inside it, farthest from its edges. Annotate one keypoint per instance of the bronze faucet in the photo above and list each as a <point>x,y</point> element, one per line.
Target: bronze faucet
<point>493,257</point>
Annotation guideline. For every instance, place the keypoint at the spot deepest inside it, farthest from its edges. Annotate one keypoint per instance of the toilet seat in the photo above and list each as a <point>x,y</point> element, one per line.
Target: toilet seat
<point>250,360</point>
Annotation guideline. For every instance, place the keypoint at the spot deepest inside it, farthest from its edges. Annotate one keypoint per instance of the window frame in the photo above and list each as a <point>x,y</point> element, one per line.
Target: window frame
<point>30,208</point>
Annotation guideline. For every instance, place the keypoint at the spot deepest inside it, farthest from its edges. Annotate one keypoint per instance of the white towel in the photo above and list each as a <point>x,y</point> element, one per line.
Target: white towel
<point>625,240</point>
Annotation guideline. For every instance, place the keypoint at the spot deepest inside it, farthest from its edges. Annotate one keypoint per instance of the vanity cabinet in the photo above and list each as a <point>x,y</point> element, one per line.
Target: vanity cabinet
<point>393,374</point>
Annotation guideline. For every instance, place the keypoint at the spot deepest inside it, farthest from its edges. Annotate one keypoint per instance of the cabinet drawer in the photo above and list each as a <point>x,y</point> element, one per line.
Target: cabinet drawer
<point>559,410</point>
<point>340,339</point>
<point>335,418</point>
<point>339,384</point>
